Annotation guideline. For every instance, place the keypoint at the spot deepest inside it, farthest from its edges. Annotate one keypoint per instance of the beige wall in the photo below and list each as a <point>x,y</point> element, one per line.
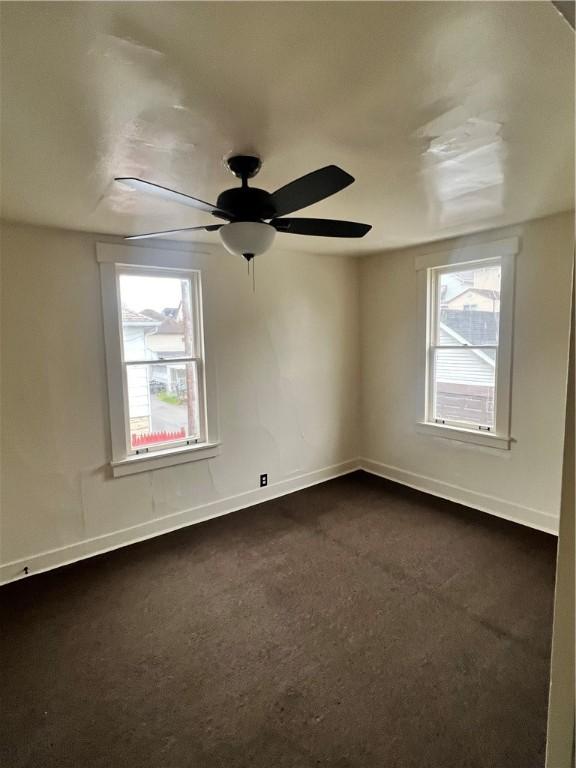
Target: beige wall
<point>523,483</point>
<point>286,362</point>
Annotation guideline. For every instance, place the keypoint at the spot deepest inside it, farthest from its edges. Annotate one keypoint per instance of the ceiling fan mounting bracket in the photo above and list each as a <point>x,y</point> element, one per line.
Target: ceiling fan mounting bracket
<point>244,166</point>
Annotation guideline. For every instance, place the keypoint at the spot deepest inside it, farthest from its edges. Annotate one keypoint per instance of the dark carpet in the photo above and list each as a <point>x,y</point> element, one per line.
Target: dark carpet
<point>353,624</point>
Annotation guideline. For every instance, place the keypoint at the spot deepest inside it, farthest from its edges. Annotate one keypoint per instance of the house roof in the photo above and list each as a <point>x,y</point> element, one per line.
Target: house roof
<point>153,314</point>
<point>475,327</point>
<point>463,366</point>
<point>130,317</point>
<point>487,292</point>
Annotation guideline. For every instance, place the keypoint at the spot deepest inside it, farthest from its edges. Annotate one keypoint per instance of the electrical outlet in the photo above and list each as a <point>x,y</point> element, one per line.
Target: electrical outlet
<point>263,480</point>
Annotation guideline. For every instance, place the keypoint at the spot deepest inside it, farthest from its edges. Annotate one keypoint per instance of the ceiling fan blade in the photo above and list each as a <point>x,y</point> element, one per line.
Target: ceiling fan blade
<point>172,196</point>
<point>321,227</point>
<point>209,228</point>
<point>310,189</point>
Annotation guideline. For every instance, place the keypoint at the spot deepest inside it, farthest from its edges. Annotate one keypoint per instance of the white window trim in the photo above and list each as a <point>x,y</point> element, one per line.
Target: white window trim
<point>505,250</point>
<point>112,258</point>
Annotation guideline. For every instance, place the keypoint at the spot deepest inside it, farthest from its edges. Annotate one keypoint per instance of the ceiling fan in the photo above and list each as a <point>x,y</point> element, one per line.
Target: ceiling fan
<point>253,216</point>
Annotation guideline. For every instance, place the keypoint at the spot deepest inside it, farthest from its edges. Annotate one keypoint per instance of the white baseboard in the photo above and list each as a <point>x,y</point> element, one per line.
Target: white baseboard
<point>517,513</point>
<point>54,558</point>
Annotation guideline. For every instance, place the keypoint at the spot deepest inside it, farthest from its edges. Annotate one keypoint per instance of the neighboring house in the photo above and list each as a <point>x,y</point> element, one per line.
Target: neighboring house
<point>455,283</point>
<point>168,342</point>
<point>136,327</point>
<point>477,299</point>
<point>152,335</point>
<point>464,380</point>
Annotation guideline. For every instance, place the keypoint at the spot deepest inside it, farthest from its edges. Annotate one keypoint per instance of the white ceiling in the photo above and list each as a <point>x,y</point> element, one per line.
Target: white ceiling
<point>452,116</point>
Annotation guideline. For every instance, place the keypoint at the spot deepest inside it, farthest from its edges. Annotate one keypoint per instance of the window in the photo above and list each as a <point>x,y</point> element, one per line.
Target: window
<point>161,357</point>
<point>156,366</point>
<point>465,387</point>
<point>463,346</point>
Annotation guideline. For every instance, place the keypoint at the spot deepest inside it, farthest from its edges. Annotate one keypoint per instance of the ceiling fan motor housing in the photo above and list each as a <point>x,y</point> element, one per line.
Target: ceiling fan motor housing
<point>247,203</point>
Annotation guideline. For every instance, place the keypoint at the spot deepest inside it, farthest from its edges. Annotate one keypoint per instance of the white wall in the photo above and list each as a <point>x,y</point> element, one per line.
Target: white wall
<point>523,483</point>
<point>291,361</point>
<point>286,361</point>
<point>561,720</point>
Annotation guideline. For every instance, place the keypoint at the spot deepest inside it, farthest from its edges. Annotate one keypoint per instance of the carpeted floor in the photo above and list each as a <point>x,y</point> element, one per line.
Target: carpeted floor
<point>353,624</point>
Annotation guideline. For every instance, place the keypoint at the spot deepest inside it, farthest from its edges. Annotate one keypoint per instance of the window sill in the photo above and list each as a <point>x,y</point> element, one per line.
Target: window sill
<point>487,439</point>
<point>169,457</point>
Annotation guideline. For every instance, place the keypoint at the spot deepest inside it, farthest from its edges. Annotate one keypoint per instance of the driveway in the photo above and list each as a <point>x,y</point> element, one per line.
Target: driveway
<point>167,416</point>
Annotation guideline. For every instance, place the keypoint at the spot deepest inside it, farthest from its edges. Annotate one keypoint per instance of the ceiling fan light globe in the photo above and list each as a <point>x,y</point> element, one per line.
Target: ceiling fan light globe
<point>247,237</point>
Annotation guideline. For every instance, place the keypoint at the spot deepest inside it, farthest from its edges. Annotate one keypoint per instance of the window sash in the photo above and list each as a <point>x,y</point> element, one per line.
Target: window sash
<point>160,446</point>
<point>433,344</point>
<point>176,261</point>
<point>463,346</point>
<point>453,257</point>
<point>193,279</point>
<point>432,401</point>
<point>167,360</point>
<point>435,274</point>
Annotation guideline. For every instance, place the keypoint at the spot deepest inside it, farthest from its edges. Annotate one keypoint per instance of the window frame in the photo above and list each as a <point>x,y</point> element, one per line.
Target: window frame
<point>118,260</point>
<point>430,267</point>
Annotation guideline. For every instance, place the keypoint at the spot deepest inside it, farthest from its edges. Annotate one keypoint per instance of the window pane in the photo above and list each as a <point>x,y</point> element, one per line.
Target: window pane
<point>163,403</point>
<point>157,317</point>
<point>468,303</point>
<point>464,386</point>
